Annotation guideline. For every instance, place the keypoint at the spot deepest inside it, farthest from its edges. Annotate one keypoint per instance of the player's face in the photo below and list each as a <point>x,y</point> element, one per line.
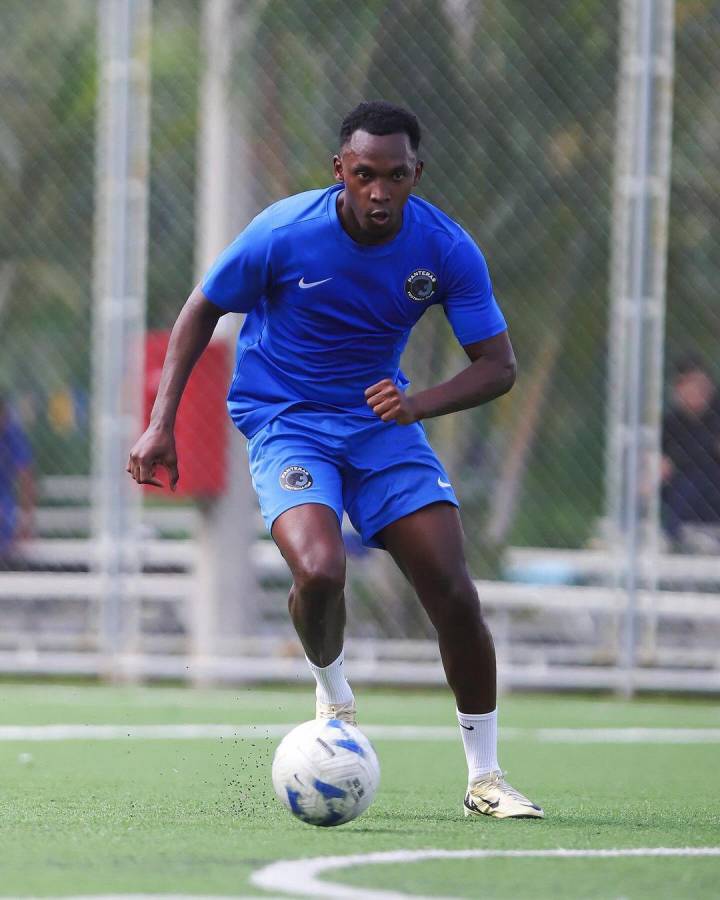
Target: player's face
<point>694,392</point>
<point>379,172</point>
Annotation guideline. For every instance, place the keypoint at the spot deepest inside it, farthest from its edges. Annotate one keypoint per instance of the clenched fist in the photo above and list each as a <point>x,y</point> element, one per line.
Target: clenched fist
<point>390,403</point>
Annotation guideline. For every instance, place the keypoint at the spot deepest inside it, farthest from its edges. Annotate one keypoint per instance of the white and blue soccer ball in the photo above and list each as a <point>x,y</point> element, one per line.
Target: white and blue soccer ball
<point>325,772</point>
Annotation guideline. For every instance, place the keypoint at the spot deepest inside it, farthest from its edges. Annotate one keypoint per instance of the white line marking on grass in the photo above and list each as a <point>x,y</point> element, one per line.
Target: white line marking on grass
<point>299,876</point>
<point>156,897</point>
<point>138,732</point>
<point>377,732</point>
<point>614,735</point>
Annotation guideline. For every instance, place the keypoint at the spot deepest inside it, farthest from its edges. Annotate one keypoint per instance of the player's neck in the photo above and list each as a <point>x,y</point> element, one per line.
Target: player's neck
<point>352,227</point>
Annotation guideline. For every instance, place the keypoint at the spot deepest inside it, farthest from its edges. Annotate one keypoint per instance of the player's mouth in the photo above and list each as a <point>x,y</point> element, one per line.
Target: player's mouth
<point>380,216</point>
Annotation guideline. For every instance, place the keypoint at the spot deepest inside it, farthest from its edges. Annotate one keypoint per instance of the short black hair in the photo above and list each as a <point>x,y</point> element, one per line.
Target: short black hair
<point>380,117</point>
<point>684,365</point>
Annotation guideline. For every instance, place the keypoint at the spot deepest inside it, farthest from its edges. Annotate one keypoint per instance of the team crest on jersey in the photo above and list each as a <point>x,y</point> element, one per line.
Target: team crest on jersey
<point>421,285</point>
<point>295,478</point>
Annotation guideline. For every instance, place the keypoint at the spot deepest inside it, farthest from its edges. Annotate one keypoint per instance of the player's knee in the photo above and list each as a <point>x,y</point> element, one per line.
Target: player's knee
<point>458,607</point>
<point>320,577</point>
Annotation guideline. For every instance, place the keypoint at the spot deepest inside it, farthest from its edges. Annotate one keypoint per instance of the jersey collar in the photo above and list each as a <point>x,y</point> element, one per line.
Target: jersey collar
<point>365,249</point>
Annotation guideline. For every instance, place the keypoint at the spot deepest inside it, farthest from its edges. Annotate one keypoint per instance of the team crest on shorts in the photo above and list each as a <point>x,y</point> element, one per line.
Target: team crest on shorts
<point>421,285</point>
<point>295,478</point>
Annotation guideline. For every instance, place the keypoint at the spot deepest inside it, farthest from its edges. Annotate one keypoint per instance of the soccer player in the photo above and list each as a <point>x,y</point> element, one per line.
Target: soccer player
<point>332,282</point>
<point>17,489</point>
<point>691,459</point>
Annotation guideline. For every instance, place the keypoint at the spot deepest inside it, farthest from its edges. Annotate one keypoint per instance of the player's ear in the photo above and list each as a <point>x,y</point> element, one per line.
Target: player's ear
<point>419,165</point>
<point>338,168</point>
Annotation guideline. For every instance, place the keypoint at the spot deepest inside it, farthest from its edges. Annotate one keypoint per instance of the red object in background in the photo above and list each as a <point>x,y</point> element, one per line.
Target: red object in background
<point>202,421</point>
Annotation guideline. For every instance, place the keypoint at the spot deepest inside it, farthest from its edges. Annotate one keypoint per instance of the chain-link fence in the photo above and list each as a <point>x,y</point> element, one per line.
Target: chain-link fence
<point>518,106</point>
<point>47,148</point>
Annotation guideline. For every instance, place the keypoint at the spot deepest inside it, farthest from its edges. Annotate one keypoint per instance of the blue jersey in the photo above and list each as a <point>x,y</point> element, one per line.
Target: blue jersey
<point>327,316</point>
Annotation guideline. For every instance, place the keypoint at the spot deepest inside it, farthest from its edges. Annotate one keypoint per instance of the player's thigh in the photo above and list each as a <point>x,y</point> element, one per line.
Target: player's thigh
<point>393,472</point>
<point>428,547</point>
<point>310,540</point>
<point>299,488</point>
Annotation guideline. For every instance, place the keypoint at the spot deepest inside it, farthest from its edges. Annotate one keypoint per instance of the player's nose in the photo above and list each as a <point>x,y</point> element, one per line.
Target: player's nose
<point>380,193</point>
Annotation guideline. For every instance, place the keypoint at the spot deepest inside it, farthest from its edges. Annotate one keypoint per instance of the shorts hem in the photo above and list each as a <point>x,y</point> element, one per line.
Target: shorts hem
<point>271,520</point>
<point>368,539</point>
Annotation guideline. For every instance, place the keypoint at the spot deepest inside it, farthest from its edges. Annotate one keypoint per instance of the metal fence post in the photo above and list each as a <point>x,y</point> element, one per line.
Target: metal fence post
<point>119,318</point>
<point>639,250</point>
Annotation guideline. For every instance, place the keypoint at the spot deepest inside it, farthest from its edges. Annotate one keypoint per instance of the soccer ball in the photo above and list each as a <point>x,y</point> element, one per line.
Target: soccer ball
<point>325,772</point>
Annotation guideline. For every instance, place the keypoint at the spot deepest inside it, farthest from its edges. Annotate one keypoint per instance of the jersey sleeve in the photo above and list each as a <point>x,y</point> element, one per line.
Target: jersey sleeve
<point>240,276</point>
<point>469,303</point>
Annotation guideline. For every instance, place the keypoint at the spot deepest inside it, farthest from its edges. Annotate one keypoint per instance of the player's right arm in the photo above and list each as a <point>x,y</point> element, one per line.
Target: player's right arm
<point>236,282</point>
<point>189,337</point>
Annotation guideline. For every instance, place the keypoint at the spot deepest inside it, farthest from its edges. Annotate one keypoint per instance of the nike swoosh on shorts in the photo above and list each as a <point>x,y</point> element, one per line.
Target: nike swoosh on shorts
<point>443,483</point>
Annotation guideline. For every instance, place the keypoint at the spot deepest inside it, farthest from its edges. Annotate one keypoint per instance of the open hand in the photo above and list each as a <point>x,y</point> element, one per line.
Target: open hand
<point>390,403</point>
<point>155,448</point>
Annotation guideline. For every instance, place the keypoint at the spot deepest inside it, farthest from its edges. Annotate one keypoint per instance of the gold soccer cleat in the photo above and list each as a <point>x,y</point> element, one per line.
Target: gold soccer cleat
<point>493,796</point>
<point>346,712</point>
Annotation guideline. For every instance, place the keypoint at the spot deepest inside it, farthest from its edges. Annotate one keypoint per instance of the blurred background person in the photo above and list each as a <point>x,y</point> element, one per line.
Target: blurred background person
<point>691,459</point>
<point>17,488</point>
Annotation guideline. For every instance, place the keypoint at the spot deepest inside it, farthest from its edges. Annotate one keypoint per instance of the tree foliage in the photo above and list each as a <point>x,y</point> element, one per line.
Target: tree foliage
<point>517,104</point>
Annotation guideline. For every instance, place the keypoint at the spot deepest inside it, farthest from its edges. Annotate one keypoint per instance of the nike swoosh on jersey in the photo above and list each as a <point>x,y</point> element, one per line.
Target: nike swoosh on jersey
<point>443,483</point>
<point>308,284</point>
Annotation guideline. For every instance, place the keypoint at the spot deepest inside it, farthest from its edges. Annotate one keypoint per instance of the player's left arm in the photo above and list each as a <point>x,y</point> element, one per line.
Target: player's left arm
<point>490,374</point>
<point>480,327</point>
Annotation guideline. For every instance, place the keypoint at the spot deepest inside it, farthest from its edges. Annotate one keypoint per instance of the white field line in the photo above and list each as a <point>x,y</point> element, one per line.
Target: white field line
<point>614,735</point>
<point>376,732</point>
<point>138,732</point>
<point>300,876</point>
<point>157,897</point>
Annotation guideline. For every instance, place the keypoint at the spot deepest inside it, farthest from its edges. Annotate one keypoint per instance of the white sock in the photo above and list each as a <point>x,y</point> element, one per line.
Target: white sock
<point>332,686</point>
<point>479,735</point>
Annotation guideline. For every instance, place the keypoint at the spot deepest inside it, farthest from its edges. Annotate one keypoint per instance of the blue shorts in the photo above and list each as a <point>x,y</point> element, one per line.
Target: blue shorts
<point>376,471</point>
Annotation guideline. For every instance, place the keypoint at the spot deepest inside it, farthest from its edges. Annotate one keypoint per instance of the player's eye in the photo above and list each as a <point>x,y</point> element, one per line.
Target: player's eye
<point>398,176</point>
<point>363,176</point>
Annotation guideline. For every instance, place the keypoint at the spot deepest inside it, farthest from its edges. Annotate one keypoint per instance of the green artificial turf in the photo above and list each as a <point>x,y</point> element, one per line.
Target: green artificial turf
<point>198,816</point>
